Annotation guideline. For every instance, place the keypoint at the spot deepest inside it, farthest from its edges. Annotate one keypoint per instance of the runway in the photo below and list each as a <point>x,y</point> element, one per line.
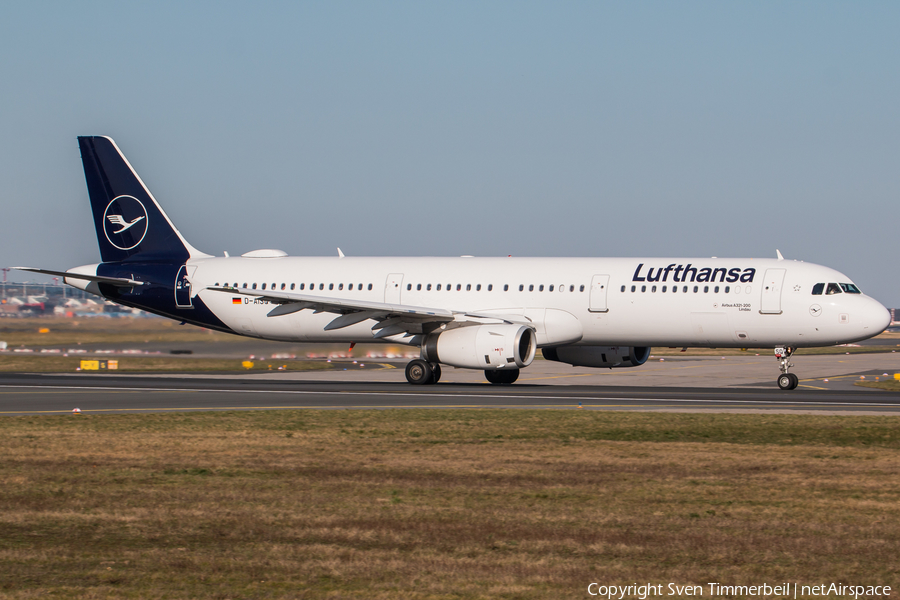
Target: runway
<point>23,394</point>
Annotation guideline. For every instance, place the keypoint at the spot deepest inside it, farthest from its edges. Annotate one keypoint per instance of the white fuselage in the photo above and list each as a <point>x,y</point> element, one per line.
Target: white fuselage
<point>568,300</point>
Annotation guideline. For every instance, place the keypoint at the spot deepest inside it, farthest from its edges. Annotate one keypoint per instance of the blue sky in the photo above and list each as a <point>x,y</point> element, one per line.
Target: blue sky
<point>485,128</point>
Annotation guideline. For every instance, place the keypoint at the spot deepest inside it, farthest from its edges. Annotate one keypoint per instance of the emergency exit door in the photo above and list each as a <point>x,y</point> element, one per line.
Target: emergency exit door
<point>599,285</point>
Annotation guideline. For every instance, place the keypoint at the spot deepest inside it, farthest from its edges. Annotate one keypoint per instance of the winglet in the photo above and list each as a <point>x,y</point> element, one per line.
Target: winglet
<point>340,254</point>
<point>778,253</point>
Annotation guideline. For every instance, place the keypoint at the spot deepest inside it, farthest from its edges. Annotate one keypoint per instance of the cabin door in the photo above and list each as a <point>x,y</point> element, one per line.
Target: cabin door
<point>771,292</point>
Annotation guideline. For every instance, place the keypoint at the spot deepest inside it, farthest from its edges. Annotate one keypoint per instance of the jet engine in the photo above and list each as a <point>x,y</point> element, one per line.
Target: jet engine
<point>487,347</point>
<point>598,356</point>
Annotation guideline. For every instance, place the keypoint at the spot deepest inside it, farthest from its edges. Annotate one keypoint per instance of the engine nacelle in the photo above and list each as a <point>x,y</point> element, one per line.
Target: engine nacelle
<point>487,347</point>
<point>598,356</point>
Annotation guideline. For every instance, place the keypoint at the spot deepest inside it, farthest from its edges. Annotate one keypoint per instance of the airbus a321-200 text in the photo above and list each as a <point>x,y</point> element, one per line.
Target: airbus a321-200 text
<point>490,314</point>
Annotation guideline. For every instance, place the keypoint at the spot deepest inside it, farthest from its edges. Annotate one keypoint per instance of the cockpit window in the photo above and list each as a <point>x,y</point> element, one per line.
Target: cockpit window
<point>833,288</point>
<point>849,288</point>
<point>818,289</point>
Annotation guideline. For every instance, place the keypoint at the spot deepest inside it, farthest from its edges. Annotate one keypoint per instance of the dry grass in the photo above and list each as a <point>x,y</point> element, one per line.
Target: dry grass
<point>18,363</point>
<point>892,385</point>
<point>101,330</point>
<point>440,504</point>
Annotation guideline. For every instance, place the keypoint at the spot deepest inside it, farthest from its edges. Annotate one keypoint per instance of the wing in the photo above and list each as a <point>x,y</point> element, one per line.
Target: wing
<point>392,319</point>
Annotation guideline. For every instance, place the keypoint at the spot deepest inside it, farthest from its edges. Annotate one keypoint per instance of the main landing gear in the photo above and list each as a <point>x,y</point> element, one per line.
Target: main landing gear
<point>420,372</point>
<point>504,377</point>
<point>786,381</point>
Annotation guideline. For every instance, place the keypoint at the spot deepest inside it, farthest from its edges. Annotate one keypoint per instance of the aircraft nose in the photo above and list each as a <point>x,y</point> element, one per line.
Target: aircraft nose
<point>876,317</point>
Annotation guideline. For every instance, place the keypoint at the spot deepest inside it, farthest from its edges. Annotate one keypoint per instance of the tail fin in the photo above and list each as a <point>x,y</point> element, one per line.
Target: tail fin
<point>130,223</point>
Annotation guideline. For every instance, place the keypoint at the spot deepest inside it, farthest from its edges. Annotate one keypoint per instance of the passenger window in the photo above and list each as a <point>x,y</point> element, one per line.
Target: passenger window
<point>531,287</point>
<point>582,288</point>
<point>664,288</point>
<point>653,289</point>
<point>685,289</point>
<point>302,286</point>
<point>849,288</point>
<point>428,287</point>
<point>490,287</point>
<point>408,287</point>
<point>438,287</point>
<point>273,287</point>
<point>833,288</point>
<point>623,288</point>
<point>282,286</point>
<point>478,288</point>
<point>550,289</point>
<point>418,287</point>
<point>571,288</point>
<point>263,286</point>
<point>643,288</point>
<point>321,286</point>
<point>505,287</point>
<point>330,286</point>
<point>254,286</point>
<point>370,287</point>
<point>727,289</point>
<point>674,289</point>
<point>449,287</point>
<point>716,289</point>
<point>634,288</point>
<point>350,287</point>
<point>293,285</point>
<point>541,288</point>
<point>521,287</point>
<point>468,287</point>
<point>696,288</point>
<point>245,286</point>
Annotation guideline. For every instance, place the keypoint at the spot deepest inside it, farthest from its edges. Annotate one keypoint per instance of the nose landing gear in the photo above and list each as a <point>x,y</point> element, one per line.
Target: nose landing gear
<point>786,381</point>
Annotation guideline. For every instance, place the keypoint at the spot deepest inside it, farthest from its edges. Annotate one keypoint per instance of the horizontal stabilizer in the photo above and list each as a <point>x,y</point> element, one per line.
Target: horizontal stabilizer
<point>116,281</point>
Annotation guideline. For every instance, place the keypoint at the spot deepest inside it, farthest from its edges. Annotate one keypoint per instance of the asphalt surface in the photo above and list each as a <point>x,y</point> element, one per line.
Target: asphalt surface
<point>61,393</point>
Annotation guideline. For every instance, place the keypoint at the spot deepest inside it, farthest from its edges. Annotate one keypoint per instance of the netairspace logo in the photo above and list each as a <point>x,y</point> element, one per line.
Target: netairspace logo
<point>717,590</point>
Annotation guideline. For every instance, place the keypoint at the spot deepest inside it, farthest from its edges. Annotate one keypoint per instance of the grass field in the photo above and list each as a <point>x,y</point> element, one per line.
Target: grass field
<point>98,330</point>
<point>441,504</point>
<point>17,363</point>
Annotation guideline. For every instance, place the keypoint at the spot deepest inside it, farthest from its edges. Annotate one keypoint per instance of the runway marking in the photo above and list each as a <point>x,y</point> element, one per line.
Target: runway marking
<point>445,395</point>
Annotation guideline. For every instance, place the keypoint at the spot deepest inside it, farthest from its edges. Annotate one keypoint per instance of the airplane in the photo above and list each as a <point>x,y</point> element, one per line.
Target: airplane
<point>490,314</point>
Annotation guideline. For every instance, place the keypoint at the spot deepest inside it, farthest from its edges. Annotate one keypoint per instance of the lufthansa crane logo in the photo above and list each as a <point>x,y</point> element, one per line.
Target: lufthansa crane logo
<point>125,222</point>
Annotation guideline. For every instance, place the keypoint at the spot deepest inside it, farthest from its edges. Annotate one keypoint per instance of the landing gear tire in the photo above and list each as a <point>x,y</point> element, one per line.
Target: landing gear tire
<point>419,372</point>
<point>788,381</point>
<point>785,381</point>
<point>506,377</point>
